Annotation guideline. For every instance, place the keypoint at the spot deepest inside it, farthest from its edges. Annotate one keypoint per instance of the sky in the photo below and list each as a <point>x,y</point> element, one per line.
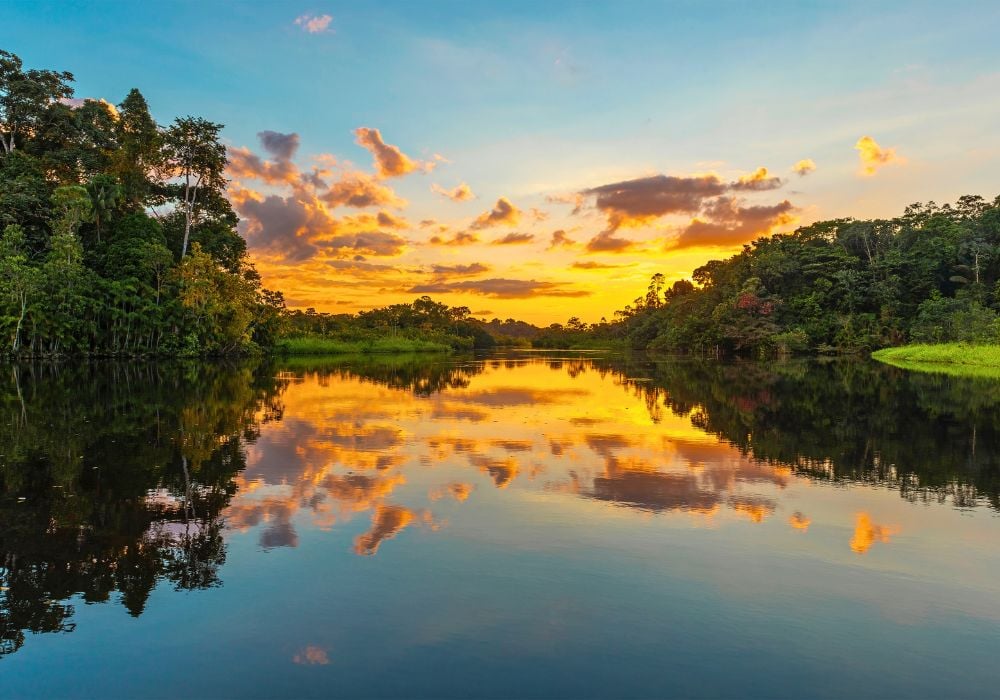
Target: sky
<point>544,160</point>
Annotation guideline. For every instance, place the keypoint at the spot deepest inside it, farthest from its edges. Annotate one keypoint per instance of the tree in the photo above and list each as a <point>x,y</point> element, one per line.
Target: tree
<point>105,194</point>
<point>18,279</point>
<point>193,155</point>
<point>25,96</point>
<point>138,153</point>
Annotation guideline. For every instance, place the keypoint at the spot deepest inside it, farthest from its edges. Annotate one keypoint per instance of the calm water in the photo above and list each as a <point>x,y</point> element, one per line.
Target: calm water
<point>532,525</point>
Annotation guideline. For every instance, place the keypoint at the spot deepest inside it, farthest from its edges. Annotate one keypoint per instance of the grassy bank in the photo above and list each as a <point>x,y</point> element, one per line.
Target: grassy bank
<point>331,346</point>
<point>959,359</point>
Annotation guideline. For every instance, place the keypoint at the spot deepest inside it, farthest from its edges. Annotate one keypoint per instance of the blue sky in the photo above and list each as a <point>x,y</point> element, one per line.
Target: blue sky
<point>530,101</point>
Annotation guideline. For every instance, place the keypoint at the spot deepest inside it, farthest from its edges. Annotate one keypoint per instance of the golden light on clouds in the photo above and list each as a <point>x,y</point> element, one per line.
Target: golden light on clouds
<point>336,238</point>
<point>873,157</point>
<point>460,193</point>
<point>804,166</point>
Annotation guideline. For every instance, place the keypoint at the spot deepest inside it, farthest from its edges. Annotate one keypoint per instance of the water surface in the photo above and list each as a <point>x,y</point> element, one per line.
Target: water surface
<point>521,524</point>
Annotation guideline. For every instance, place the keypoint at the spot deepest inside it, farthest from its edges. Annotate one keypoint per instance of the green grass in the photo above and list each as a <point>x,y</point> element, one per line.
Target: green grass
<point>958,359</point>
<point>331,346</point>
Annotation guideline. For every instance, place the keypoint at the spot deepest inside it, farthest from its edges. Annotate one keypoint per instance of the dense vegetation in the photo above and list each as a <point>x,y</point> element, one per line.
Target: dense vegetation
<point>424,325</point>
<point>115,233</point>
<point>930,275</point>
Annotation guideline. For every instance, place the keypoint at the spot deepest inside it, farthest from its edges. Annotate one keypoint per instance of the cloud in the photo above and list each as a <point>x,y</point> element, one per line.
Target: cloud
<point>470,270</point>
<point>804,167</point>
<point>296,227</point>
<point>873,156</point>
<point>367,242</point>
<point>281,146</point>
<point>574,198</point>
<point>77,102</point>
<point>389,160</point>
<point>608,242</point>
<point>311,656</point>
<point>727,223</point>
<point>359,266</point>
<point>561,240</point>
<point>503,213</point>
<point>500,288</point>
<point>360,190</point>
<point>281,225</point>
<point>388,220</point>
<point>314,24</point>
<point>460,238</point>
<point>759,180</point>
<point>460,193</point>
<point>515,238</point>
<point>592,265</point>
<point>244,164</point>
<point>639,201</point>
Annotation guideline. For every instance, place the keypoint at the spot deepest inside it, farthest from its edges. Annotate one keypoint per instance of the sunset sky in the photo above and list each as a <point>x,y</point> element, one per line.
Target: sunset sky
<point>543,160</point>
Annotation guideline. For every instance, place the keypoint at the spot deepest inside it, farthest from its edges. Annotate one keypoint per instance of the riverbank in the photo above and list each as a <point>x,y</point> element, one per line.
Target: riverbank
<point>960,359</point>
<point>330,346</point>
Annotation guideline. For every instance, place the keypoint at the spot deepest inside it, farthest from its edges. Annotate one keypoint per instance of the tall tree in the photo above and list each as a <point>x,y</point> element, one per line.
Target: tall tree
<point>196,161</point>
<point>25,96</point>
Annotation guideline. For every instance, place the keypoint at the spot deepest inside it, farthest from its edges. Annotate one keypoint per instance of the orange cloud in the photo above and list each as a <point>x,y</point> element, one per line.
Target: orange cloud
<point>500,289</point>
<point>608,242</point>
<point>503,213</point>
<point>592,265</point>
<point>873,157</point>
<point>470,270</point>
<point>389,160</point>
<point>459,239</point>
<point>804,167</point>
<point>460,193</point>
<point>728,223</point>
<point>759,180</point>
<point>561,240</point>
<point>360,190</point>
<point>515,238</point>
<point>638,202</point>
<point>867,533</point>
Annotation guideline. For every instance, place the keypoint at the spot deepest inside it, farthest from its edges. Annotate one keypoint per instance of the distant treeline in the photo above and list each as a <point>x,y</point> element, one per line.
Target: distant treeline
<point>115,233</point>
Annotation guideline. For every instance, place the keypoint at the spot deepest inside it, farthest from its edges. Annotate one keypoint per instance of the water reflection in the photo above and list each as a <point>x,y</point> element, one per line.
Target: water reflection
<point>117,478</point>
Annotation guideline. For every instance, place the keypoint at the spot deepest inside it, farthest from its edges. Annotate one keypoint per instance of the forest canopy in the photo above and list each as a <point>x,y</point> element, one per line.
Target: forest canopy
<point>116,236</point>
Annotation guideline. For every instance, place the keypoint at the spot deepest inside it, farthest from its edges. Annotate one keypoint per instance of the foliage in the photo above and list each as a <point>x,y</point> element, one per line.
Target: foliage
<point>117,236</point>
<point>845,285</point>
<point>424,324</point>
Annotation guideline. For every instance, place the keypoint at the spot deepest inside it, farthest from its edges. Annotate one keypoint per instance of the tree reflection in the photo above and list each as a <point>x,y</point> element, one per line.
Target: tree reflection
<point>932,437</point>
<point>112,479</point>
